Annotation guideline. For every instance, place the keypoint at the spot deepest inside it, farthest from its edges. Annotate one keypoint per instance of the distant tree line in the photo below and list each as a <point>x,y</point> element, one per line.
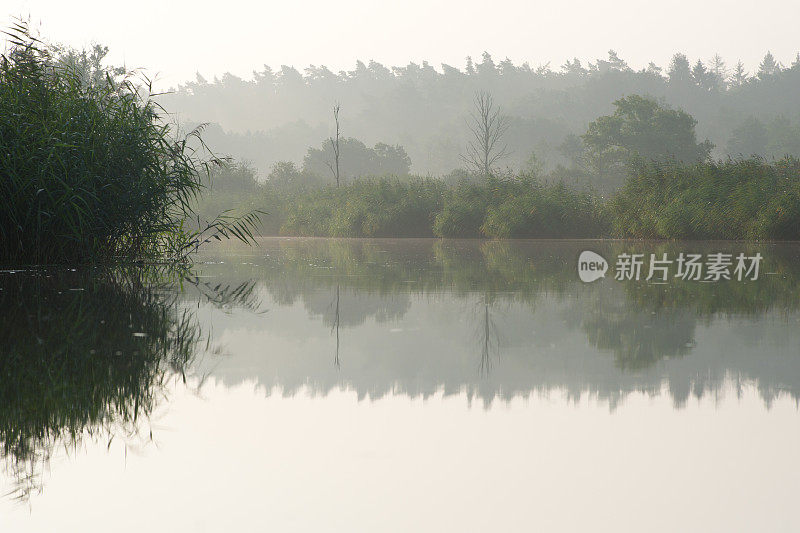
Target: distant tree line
<point>279,113</point>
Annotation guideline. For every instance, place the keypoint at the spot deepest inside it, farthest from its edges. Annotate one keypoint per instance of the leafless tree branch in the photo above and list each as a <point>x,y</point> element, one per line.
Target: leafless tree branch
<point>487,125</point>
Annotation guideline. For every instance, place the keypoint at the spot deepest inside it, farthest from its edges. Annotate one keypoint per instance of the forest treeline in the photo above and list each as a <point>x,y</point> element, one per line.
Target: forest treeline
<point>279,113</point>
<point>660,181</point>
<point>94,170</point>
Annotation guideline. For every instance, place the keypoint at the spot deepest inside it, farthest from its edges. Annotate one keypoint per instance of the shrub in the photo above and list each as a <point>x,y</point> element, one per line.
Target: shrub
<point>311,214</point>
<point>734,199</point>
<point>372,207</point>
<point>545,211</point>
<point>464,211</point>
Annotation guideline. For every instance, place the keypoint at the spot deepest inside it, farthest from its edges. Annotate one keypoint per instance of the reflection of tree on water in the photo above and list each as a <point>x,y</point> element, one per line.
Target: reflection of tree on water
<point>639,323</point>
<point>637,336</point>
<point>657,336</point>
<point>336,327</point>
<point>487,334</point>
<point>354,307</point>
<point>86,355</point>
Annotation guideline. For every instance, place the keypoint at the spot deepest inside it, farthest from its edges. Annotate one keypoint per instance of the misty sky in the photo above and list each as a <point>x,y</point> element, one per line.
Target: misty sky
<point>178,38</point>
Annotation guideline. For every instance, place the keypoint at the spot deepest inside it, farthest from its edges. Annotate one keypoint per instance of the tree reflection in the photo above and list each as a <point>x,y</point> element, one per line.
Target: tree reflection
<point>336,328</point>
<point>88,355</point>
<point>489,339</point>
<point>502,318</point>
<point>638,322</point>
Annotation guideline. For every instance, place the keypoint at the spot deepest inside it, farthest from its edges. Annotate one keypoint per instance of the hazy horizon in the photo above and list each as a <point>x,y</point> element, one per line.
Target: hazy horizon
<point>241,39</point>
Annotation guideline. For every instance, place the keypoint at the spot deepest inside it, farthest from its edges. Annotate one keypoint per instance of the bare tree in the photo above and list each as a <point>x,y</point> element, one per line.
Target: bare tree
<point>335,145</point>
<point>487,125</point>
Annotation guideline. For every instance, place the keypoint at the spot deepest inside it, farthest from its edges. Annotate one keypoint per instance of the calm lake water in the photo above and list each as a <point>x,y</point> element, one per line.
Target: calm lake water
<point>402,385</point>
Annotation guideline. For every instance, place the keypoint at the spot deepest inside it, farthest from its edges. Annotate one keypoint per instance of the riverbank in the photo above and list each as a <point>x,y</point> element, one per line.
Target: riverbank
<point>745,199</point>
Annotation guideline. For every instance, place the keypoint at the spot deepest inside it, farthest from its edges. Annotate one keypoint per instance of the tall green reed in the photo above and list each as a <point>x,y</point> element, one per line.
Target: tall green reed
<point>92,170</point>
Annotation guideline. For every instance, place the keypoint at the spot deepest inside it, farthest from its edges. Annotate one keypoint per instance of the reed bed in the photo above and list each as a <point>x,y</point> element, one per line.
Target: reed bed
<point>91,169</point>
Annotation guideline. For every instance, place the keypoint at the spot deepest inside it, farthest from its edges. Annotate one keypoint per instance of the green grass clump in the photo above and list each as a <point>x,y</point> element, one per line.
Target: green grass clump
<point>376,207</point>
<point>744,199</point>
<point>89,169</point>
<point>735,199</point>
<point>465,208</point>
<point>311,213</point>
<point>389,207</point>
<point>520,208</point>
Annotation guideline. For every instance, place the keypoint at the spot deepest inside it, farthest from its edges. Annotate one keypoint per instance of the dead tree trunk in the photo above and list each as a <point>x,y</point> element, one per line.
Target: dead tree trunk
<point>334,166</point>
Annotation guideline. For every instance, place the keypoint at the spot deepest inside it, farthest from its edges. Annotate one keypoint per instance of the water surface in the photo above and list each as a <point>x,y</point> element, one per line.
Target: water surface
<point>401,385</point>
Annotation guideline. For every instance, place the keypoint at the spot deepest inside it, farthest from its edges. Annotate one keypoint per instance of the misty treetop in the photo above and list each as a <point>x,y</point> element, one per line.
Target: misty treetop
<point>639,128</point>
<point>279,113</point>
<point>358,160</point>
